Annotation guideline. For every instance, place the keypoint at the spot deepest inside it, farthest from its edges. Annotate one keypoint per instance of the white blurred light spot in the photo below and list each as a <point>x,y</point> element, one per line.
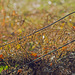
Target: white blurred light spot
<point>62,1</point>
<point>14,5</point>
<point>49,2</point>
<point>43,36</point>
<point>12,54</point>
<point>7,16</point>
<point>36,42</point>
<point>70,20</point>
<point>3,36</point>
<point>60,40</point>
<point>52,58</point>
<point>18,23</point>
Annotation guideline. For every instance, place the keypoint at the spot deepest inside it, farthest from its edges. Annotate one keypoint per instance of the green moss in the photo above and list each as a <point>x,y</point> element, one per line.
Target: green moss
<point>3,68</point>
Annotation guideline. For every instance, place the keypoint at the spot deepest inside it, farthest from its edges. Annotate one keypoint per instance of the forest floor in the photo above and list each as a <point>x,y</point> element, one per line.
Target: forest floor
<point>20,43</point>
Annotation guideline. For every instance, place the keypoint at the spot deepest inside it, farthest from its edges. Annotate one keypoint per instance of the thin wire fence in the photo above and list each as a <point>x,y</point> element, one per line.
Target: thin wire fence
<point>49,61</point>
<point>39,29</point>
<point>51,44</point>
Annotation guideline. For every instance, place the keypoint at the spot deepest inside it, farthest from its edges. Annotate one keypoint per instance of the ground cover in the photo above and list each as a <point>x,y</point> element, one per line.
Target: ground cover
<point>19,18</point>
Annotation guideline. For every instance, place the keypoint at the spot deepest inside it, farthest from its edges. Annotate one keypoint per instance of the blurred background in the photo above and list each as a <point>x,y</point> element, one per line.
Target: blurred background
<point>13,13</point>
